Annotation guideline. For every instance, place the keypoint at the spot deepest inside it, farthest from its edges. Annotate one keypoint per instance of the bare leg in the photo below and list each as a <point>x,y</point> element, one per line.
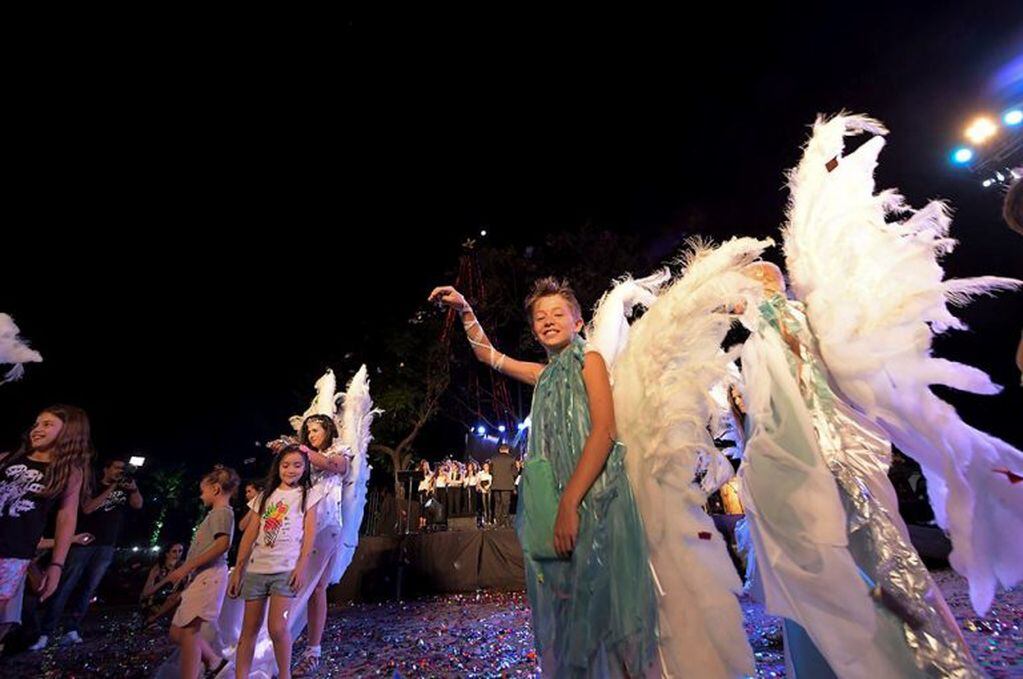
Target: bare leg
<point>209,658</point>
<point>318,606</point>
<point>187,639</point>
<point>247,639</point>
<point>280,634</point>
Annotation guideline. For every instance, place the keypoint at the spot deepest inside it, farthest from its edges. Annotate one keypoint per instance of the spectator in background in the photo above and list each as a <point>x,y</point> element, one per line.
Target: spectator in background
<point>102,515</point>
<point>469,483</point>
<point>483,482</point>
<point>159,596</point>
<point>455,483</point>
<point>504,470</point>
<point>252,489</point>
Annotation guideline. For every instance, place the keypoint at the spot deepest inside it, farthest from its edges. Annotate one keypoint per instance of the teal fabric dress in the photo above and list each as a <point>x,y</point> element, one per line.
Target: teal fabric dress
<point>593,614</point>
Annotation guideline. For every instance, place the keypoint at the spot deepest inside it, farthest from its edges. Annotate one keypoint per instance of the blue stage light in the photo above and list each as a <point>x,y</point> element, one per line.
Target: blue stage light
<point>962,155</point>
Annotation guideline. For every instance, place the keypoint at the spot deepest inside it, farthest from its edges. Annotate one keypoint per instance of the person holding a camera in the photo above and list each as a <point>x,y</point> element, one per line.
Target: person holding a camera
<point>101,515</point>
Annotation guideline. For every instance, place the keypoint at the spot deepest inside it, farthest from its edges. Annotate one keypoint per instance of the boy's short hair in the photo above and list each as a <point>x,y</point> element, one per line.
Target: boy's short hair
<point>548,286</point>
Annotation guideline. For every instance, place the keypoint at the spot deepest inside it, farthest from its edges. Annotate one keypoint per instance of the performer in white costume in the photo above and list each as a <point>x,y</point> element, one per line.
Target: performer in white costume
<point>829,382</point>
<point>341,474</point>
<point>834,554</point>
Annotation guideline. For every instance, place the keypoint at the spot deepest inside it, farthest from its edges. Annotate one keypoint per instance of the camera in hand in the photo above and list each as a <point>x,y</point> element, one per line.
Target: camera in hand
<point>129,470</point>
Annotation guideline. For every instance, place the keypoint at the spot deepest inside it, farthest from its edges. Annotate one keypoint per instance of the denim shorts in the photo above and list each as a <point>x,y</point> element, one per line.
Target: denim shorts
<point>262,585</point>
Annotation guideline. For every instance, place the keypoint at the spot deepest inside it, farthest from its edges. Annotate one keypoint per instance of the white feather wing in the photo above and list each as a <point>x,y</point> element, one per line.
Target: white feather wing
<point>354,426</point>
<point>662,378</point>
<point>14,350</point>
<point>875,297</point>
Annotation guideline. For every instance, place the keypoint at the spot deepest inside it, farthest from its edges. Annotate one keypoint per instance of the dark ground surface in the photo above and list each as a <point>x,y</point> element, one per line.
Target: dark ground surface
<point>479,635</point>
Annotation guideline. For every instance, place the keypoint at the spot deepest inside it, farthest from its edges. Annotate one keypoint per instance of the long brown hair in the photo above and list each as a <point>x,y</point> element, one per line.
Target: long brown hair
<point>273,477</point>
<point>324,421</point>
<point>72,450</point>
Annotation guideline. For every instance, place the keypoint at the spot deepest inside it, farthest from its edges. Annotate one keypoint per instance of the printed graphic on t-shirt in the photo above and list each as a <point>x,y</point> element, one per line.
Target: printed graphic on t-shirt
<point>115,499</point>
<point>273,520</point>
<point>20,481</point>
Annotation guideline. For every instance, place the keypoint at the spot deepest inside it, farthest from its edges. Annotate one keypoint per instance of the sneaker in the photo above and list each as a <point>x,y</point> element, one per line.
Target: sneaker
<point>40,643</point>
<point>71,638</point>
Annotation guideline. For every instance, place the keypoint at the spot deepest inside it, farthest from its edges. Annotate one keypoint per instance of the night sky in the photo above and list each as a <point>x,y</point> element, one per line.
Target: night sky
<point>204,229</point>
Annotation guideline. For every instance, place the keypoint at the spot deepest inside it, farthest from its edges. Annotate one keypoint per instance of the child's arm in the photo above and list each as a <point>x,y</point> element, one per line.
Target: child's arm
<point>337,464</point>
<point>67,519</point>
<point>523,371</point>
<point>78,539</point>
<point>244,523</point>
<point>248,539</point>
<point>594,456</point>
<point>308,535</point>
<point>251,521</point>
<point>221,543</point>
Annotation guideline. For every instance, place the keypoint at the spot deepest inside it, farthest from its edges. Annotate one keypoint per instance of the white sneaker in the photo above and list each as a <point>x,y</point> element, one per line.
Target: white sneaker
<point>40,643</point>
<point>71,638</point>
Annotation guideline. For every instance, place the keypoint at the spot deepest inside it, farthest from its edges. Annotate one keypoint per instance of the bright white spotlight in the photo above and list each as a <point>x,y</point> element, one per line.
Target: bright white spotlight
<point>134,549</point>
<point>987,183</point>
<point>521,425</point>
<point>962,155</point>
<point>481,430</point>
<point>483,232</point>
<point>154,548</point>
<point>980,130</point>
<point>136,461</point>
<point>1013,117</point>
<point>500,428</point>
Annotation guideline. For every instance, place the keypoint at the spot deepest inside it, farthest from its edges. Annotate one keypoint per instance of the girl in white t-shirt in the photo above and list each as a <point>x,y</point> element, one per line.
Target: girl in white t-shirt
<point>273,555</point>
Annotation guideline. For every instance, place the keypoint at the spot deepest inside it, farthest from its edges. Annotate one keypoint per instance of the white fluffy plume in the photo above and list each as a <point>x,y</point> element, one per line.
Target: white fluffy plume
<point>356,417</point>
<point>324,403</point>
<point>664,367</point>
<point>14,350</point>
<point>875,296</point>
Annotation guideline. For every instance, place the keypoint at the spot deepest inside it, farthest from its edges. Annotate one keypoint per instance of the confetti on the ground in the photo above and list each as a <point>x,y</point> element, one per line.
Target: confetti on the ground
<point>484,634</point>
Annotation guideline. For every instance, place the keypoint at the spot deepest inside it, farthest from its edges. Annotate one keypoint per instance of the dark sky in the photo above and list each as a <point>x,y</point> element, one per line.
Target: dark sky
<point>207,223</point>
